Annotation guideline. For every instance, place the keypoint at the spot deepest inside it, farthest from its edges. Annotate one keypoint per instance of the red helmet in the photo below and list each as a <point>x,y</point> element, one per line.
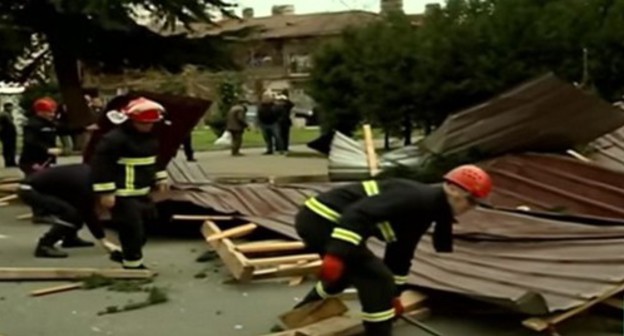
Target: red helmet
<point>144,110</point>
<point>472,179</point>
<point>45,105</point>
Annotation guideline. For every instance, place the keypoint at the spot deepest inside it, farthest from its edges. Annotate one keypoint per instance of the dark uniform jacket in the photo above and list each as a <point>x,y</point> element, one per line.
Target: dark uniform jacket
<point>72,184</point>
<point>124,163</point>
<point>39,136</point>
<point>397,211</point>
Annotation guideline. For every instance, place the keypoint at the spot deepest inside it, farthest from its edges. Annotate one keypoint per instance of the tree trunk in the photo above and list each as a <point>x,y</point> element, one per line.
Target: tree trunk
<point>386,140</point>
<point>407,130</point>
<point>66,69</point>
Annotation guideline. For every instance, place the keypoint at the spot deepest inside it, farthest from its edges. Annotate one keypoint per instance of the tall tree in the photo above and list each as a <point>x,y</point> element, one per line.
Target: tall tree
<point>105,35</point>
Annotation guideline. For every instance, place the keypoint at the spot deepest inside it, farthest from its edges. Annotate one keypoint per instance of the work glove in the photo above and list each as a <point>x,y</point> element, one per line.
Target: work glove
<point>332,268</point>
<point>108,246</point>
<point>398,307</point>
<point>107,201</point>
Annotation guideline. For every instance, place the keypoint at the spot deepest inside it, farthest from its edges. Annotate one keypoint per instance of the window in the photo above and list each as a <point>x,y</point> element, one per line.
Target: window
<point>300,64</point>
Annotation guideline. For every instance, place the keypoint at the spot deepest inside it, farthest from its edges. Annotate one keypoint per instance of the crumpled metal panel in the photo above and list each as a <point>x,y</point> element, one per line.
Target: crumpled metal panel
<point>545,114</point>
<point>347,159</point>
<point>526,263</point>
<point>608,150</point>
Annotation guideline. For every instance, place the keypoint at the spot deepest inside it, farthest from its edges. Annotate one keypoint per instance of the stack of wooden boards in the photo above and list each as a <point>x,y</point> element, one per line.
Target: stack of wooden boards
<point>260,259</point>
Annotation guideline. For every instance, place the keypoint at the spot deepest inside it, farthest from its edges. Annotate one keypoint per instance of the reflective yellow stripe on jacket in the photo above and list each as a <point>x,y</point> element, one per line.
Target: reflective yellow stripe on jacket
<point>129,185</point>
<point>371,188</point>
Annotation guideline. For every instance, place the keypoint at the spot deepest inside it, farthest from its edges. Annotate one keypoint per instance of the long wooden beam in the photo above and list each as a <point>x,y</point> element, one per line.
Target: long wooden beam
<point>234,232</point>
<point>201,218</point>
<point>51,273</point>
<point>269,247</point>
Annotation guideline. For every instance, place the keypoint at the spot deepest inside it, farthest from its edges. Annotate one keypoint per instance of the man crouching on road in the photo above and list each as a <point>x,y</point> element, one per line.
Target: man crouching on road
<point>124,171</point>
<point>337,224</point>
<point>64,192</point>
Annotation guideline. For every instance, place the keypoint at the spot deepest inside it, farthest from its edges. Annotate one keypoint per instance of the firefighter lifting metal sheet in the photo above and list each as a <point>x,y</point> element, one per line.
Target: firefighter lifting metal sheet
<point>337,224</point>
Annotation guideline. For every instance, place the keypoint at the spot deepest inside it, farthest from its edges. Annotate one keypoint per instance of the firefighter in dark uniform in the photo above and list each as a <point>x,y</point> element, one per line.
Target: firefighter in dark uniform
<point>64,192</point>
<point>337,224</point>
<point>39,143</point>
<point>124,171</point>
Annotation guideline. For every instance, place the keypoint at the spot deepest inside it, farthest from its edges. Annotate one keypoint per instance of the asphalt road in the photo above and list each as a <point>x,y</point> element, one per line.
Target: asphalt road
<point>204,306</point>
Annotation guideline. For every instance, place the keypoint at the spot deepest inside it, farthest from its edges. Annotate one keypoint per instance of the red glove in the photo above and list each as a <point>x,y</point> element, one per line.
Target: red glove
<point>332,268</point>
<point>398,307</point>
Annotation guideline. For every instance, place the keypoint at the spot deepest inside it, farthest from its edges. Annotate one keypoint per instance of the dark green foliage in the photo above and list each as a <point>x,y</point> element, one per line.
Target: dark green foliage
<point>156,295</point>
<point>463,54</point>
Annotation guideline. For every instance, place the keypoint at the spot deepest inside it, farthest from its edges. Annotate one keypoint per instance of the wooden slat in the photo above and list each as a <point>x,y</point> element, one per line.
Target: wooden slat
<point>234,232</point>
<point>41,273</point>
<point>281,260</point>
<point>226,250</point>
<point>8,198</point>
<point>288,270</point>
<point>24,216</point>
<point>333,326</point>
<point>371,155</point>
<point>312,313</point>
<point>270,247</point>
<point>9,187</point>
<point>56,289</point>
<point>541,324</point>
<point>201,218</point>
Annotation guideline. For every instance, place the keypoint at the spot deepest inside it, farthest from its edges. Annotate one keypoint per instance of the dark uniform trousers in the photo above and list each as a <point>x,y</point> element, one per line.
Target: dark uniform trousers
<point>363,270</point>
<point>70,219</point>
<point>129,216</point>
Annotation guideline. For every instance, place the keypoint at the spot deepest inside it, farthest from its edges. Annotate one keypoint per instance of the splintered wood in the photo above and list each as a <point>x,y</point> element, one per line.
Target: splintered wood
<point>246,261</point>
<point>328,318</point>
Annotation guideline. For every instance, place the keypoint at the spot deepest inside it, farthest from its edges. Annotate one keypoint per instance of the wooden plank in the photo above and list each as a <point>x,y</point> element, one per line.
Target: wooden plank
<point>371,155</point>
<point>296,281</point>
<point>541,324</point>
<point>289,270</point>
<point>412,299</point>
<point>24,216</point>
<point>201,218</point>
<point>281,260</point>
<point>13,179</point>
<point>8,198</point>
<point>226,250</point>
<point>56,289</point>
<point>42,273</point>
<point>3,204</point>
<point>9,187</point>
<point>233,232</point>
<point>312,313</point>
<point>261,247</point>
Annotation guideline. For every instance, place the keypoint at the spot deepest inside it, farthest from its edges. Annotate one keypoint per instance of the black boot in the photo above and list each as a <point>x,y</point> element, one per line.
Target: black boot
<point>378,328</point>
<point>116,256</point>
<point>45,248</point>
<point>73,240</point>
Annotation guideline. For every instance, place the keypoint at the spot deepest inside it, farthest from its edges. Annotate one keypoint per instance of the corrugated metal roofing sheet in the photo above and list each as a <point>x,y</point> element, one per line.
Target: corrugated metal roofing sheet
<point>545,114</point>
<point>531,264</point>
<point>558,184</point>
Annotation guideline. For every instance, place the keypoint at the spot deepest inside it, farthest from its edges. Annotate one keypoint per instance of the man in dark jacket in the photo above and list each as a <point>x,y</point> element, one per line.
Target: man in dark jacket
<point>236,125</point>
<point>64,192</point>
<point>284,107</point>
<point>8,135</point>
<point>338,223</point>
<point>268,117</point>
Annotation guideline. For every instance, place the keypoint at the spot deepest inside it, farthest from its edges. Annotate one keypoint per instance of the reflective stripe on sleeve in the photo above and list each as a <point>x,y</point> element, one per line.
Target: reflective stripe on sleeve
<point>161,175</point>
<point>107,186</point>
<point>322,210</point>
<point>143,161</point>
<point>132,192</point>
<point>346,235</point>
<point>400,279</point>
<point>379,316</point>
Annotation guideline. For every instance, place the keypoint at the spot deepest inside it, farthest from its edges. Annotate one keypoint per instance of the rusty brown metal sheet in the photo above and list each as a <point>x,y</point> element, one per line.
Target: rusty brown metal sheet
<point>557,184</point>
<point>526,263</point>
<point>545,114</point>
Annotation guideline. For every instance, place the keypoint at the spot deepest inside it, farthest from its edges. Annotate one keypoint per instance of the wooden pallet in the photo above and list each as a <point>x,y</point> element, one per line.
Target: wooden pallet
<point>246,262</point>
